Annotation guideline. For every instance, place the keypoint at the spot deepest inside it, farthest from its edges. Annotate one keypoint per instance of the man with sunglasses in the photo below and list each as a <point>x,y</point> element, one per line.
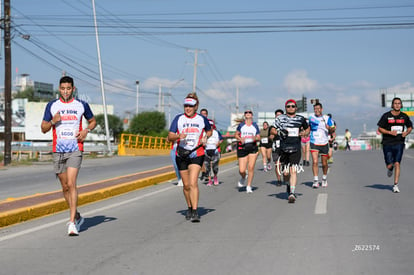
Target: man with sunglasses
<point>290,127</point>
<point>321,126</point>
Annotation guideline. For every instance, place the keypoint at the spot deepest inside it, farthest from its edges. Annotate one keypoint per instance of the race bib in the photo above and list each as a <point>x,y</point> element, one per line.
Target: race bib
<point>190,140</point>
<point>316,134</point>
<point>264,140</point>
<point>397,128</point>
<point>293,132</point>
<point>248,140</point>
<point>67,133</point>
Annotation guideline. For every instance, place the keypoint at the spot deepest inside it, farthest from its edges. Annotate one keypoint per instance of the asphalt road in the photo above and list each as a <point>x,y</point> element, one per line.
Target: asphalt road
<point>355,226</point>
<point>26,180</point>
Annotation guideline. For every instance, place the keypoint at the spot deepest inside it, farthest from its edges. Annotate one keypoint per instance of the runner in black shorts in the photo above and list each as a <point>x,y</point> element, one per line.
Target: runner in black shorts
<point>265,147</point>
<point>187,129</point>
<point>290,128</point>
<point>247,135</point>
<point>276,153</point>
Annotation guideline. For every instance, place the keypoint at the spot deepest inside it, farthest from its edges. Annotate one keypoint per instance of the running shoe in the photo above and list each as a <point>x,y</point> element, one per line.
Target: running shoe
<point>72,230</point>
<point>278,183</point>
<point>216,182</point>
<point>249,189</point>
<point>389,172</point>
<point>324,183</point>
<point>307,163</point>
<point>188,214</point>
<point>79,221</point>
<point>395,188</point>
<point>210,182</point>
<point>315,184</point>
<point>265,168</point>
<point>240,183</point>
<point>292,198</point>
<point>269,166</point>
<point>180,183</point>
<point>194,216</point>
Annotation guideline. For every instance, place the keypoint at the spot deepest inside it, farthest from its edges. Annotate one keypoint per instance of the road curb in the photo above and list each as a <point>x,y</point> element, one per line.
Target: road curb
<point>54,206</point>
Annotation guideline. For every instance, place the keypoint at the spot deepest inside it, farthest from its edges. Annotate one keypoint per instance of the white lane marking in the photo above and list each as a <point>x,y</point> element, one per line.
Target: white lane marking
<point>321,206</point>
<point>40,227</point>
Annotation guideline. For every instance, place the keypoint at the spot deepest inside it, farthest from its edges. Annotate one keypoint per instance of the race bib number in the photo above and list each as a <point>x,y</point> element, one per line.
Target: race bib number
<point>316,134</point>
<point>264,140</point>
<point>248,140</point>
<point>67,133</point>
<point>397,128</point>
<point>190,141</point>
<point>277,143</point>
<point>293,132</point>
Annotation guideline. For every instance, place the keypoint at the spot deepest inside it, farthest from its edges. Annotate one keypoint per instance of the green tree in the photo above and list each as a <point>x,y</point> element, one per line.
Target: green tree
<point>148,123</point>
<point>115,125</point>
<point>29,93</point>
<point>26,93</point>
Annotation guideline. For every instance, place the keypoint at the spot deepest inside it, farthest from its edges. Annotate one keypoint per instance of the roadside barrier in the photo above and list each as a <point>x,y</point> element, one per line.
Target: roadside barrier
<point>137,145</point>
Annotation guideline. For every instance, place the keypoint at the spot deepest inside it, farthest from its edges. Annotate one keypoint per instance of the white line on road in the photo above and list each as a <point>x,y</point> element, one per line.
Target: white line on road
<point>321,206</point>
<point>99,210</point>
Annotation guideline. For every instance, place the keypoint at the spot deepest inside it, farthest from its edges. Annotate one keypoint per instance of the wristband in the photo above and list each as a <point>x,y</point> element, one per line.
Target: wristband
<point>51,122</point>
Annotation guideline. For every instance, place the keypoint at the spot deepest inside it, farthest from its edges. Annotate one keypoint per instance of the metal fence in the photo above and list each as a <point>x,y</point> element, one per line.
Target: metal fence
<point>135,145</point>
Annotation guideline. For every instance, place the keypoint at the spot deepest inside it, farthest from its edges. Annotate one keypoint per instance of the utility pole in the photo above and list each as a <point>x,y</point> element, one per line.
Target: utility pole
<point>159,97</point>
<point>7,85</point>
<point>137,103</point>
<point>237,100</point>
<point>196,51</point>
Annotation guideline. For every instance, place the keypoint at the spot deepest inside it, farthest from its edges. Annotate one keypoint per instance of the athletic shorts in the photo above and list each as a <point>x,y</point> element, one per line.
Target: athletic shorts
<point>393,153</point>
<point>183,163</point>
<point>322,149</point>
<point>266,145</point>
<point>276,154</point>
<point>290,158</point>
<point>250,148</point>
<point>61,161</point>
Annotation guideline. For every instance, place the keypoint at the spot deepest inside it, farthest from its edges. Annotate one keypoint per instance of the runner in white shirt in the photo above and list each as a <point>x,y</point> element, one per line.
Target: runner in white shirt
<point>247,135</point>
<point>321,126</point>
<point>212,155</point>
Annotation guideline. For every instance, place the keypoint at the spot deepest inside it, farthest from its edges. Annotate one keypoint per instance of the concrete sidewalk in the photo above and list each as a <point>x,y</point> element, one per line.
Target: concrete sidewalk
<point>30,207</point>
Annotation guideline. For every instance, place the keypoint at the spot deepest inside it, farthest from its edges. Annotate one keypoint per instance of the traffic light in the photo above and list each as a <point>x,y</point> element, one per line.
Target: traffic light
<point>382,100</point>
<point>304,104</point>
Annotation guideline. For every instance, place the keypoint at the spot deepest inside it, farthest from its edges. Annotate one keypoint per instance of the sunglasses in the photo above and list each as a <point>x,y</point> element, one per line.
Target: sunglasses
<point>186,105</point>
<point>290,106</point>
<point>248,112</point>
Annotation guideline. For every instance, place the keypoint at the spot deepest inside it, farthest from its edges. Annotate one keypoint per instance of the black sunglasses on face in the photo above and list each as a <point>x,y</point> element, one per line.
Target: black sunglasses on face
<point>248,112</point>
<point>290,106</point>
<point>186,105</point>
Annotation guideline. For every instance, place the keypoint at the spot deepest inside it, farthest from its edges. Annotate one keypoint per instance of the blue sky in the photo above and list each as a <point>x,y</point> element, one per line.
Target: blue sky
<point>269,50</point>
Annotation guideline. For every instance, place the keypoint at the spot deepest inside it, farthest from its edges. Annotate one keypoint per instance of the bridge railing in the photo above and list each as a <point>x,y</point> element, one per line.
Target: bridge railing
<point>138,145</point>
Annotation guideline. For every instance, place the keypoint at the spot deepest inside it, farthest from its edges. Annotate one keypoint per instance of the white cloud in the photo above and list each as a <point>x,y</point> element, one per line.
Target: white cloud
<point>217,94</point>
<point>237,81</point>
<point>405,87</point>
<point>154,82</point>
<point>362,84</point>
<point>297,82</point>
